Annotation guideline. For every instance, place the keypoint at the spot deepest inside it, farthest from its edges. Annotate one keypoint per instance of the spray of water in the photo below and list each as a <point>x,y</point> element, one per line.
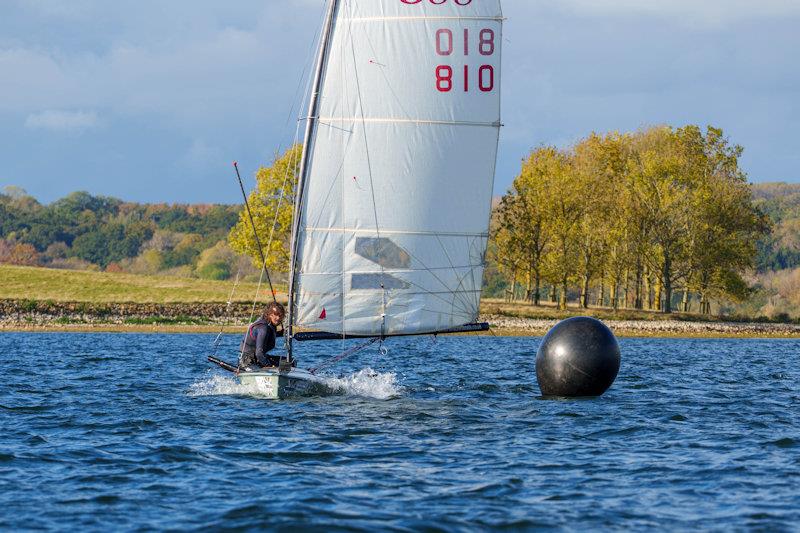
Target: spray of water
<point>366,383</point>
<point>221,386</point>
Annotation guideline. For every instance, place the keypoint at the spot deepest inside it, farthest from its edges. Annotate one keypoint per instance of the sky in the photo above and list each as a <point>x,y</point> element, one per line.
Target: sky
<point>151,101</point>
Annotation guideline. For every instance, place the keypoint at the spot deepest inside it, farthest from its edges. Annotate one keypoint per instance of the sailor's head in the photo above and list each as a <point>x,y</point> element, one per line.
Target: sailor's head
<point>274,313</point>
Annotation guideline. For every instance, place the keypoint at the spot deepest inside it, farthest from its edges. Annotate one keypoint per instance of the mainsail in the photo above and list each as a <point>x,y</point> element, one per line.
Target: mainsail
<point>395,193</point>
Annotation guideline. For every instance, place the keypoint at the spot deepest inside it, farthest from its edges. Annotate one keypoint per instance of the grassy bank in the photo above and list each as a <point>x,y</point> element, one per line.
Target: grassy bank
<point>45,284</point>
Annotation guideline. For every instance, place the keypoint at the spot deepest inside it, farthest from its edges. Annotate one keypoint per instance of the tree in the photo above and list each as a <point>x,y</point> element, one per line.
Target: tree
<point>727,225</point>
<point>533,187</point>
<point>21,254</point>
<point>565,204</point>
<point>507,247</point>
<point>274,193</point>
<point>663,183</point>
<point>600,163</point>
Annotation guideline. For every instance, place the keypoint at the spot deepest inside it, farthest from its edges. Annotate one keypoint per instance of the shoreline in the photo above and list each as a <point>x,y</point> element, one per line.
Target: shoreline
<point>500,327</point>
<point>212,317</point>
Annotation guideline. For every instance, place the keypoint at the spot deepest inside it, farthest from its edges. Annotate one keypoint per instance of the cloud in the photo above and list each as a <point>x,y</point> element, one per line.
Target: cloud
<point>198,73</point>
<point>688,12</point>
<point>63,121</point>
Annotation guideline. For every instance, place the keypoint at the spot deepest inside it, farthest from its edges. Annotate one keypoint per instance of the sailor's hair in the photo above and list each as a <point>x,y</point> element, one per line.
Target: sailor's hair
<point>274,307</point>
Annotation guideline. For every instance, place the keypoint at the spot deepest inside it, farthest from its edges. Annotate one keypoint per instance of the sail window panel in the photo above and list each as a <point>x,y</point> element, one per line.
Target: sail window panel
<point>427,252</point>
<point>377,282</point>
<point>388,70</point>
<point>424,8</point>
<point>383,251</point>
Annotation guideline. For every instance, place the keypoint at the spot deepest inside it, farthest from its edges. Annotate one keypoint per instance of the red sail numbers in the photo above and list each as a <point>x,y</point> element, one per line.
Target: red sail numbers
<point>483,43</point>
<point>445,46</point>
<point>463,77</point>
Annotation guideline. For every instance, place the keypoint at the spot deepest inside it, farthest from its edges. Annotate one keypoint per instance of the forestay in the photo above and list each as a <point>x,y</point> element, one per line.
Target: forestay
<point>399,176</point>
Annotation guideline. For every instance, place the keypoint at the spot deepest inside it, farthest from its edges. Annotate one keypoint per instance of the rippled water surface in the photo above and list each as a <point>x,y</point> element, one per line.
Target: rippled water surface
<point>102,431</point>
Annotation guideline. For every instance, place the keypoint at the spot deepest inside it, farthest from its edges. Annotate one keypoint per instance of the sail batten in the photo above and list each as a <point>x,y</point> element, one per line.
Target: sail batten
<point>392,226</point>
<point>408,232</point>
<point>323,120</point>
<point>413,19</point>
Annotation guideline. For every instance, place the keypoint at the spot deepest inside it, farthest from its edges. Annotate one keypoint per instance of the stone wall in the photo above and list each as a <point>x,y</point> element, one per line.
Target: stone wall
<point>28,314</point>
<point>34,313</point>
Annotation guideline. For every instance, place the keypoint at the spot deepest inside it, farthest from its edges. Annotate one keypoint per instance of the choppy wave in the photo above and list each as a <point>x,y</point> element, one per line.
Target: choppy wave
<point>694,435</point>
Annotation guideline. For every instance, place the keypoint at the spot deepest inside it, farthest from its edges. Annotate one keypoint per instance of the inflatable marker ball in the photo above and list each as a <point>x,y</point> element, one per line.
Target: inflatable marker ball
<point>578,357</point>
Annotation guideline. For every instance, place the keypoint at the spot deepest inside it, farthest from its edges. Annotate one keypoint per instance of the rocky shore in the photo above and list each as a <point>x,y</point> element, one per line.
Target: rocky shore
<point>27,315</point>
<point>657,328</point>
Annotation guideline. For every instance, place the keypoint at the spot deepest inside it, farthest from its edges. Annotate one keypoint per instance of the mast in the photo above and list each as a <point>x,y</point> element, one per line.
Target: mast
<point>313,109</point>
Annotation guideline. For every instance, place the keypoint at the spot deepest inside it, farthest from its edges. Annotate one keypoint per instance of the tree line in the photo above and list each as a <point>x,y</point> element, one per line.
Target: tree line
<point>653,219</point>
<point>658,219</point>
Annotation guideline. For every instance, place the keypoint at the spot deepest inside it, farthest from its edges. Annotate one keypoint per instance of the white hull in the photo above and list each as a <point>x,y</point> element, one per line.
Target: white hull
<point>272,384</point>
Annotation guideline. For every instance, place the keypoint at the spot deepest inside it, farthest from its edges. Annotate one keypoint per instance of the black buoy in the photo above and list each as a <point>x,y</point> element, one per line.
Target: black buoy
<point>578,357</point>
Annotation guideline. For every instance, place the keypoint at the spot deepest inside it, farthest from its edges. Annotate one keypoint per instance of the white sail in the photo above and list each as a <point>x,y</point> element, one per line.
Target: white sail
<point>400,168</point>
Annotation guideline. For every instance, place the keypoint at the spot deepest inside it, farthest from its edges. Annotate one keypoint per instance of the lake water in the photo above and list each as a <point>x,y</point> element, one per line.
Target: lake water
<point>137,432</point>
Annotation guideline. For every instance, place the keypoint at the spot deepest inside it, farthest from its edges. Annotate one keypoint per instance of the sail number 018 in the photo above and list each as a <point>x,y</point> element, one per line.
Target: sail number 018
<point>445,75</point>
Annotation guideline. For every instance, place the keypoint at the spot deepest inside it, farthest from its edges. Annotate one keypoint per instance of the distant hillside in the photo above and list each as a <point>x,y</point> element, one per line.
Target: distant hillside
<point>88,232</point>
<point>781,202</point>
<point>768,191</point>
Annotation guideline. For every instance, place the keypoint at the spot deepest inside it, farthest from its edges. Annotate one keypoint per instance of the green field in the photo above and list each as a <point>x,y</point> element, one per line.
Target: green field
<point>31,283</point>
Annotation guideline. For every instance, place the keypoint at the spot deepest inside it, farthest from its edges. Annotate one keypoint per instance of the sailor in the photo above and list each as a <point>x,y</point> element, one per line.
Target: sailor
<point>260,338</point>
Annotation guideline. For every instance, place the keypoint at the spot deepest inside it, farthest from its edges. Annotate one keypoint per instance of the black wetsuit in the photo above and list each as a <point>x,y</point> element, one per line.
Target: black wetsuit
<point>259,339</point>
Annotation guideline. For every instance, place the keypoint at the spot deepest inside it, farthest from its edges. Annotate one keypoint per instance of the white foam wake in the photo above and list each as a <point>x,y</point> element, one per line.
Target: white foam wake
<point>366,383</point>
<point>221,386</point>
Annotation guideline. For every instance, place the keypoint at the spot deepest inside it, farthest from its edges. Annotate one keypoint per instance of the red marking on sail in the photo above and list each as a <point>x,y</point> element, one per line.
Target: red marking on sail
<point>323,315</point>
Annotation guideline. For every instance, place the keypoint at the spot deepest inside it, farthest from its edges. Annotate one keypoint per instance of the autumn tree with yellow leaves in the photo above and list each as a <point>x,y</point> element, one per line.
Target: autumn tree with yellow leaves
<point>272,204</point>
<point>634,219</point>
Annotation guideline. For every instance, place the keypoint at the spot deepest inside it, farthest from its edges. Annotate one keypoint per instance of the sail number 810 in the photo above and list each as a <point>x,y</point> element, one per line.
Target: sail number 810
<point>445,46</point>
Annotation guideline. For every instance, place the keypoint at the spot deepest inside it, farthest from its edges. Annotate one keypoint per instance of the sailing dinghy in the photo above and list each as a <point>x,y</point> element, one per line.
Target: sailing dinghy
<point>394,193</point>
